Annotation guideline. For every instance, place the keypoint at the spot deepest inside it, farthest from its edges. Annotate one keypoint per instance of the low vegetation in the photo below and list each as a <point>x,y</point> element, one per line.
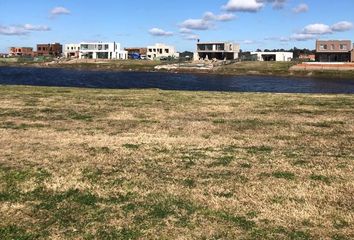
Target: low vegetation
<point>147,164</point>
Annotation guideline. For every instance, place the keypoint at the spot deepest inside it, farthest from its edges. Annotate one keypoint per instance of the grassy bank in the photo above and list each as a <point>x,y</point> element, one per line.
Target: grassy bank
<point>129,164</point>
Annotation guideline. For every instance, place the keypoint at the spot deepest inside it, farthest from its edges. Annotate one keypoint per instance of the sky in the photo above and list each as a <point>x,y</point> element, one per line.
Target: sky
<point>254,24</point>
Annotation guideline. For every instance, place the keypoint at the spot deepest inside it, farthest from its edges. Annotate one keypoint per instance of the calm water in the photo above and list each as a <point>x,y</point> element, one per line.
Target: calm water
<point>170,81</point>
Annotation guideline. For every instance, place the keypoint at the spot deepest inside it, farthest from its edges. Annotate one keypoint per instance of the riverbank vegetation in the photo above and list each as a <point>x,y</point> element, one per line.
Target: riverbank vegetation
<point>143,164</point>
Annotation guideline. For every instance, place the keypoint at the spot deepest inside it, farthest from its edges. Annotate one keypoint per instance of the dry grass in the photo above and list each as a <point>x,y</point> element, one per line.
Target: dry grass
<point>129,164</point>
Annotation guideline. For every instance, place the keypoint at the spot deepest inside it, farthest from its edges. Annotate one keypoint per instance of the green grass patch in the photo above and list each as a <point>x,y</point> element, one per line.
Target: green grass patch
<point>320,178</point>
<point>284,175</point>
<point>131,146</point>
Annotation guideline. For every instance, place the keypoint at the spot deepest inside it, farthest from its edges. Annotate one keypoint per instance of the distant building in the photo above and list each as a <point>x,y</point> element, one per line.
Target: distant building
<point>72,50</point>
<point>21,51</point>
<point>186,56</point>
<point>274,56</point>
<point>161,51</point>
<point>307,57</point>
<point>102,50</point>
<point>217,50</point>
<point>136,52</point>
<point>352,55</point>
<point>334,51</point>
<point>51,49</point>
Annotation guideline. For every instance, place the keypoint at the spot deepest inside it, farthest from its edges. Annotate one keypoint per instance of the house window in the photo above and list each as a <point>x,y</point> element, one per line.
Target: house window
<point>343,47</point>
<point>332,47</point>
<point>167,50</point>
<point>323,47</point>
<point>106,47</point>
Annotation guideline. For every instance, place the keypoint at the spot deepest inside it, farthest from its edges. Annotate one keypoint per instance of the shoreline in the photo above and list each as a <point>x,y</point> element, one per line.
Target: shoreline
<point>225,70</point>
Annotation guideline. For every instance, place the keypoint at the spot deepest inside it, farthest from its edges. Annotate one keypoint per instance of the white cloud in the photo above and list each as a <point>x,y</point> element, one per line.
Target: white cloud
<point>192,37</point>
<point>243,6</point>
<point>19,30</point>
<point>277,4</point>
<point>313,31</point>
<point>185,30</point>
<point>209,16</point>
<point>12,30</point>
<point>31,27</point>
<point>205,23</point>
<point>302,36</point>
<point>197,24</point>
<point>301,8</point>
<point>59,11</point>
<point>317,29</point>
<point>342,26</point>
<point>160,32</point>
<point>252,5</point>
<point>284,39</point>
<point>280,39</point>
<point>249,42</point>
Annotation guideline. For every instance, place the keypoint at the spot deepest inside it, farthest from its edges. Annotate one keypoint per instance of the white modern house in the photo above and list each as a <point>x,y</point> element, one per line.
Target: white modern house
<point>217,50</point>
<point>160,50</point>
<point>274,56</point>
<point>102,50</point>
<point>71,50</point>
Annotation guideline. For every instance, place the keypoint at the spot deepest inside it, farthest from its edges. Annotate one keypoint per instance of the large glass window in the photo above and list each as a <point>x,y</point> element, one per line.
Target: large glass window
<point>220,47</point>
<point>209,47</point>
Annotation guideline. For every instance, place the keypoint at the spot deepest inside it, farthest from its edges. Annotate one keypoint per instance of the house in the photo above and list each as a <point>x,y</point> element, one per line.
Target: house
<point>352,55</point>
<point>72,50</point>
<point>21,51</point>
<point>50,50</point>
<point>102,50</point>
<point>160,51</point>
<point>217,50</point>
<point>136,52</point>
<point>334,51</point>
<point>274,56</point>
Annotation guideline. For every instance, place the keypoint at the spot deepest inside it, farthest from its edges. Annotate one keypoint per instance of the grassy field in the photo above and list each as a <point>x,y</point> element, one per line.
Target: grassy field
<point>150,164</point>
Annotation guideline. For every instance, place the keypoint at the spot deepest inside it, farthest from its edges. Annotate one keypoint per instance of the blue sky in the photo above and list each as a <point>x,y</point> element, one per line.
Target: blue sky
<point>252,23</point>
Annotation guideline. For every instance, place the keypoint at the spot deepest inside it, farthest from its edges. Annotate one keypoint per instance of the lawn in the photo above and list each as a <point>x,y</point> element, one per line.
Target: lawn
<point>151,164</point>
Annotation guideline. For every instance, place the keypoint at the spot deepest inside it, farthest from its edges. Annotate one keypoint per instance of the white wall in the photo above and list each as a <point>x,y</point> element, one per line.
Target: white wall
<point>112,49</point>
<point>71,48</point>
<point>280,56</point>
<point>154,52</point>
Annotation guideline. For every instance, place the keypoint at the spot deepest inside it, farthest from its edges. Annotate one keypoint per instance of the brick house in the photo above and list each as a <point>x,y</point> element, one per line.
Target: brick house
<point>334,51</point>
<point>21,51</point>
<point>54,50</point>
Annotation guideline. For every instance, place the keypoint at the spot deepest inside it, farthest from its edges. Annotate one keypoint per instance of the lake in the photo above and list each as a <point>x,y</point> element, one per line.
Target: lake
<point>170,81</point>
